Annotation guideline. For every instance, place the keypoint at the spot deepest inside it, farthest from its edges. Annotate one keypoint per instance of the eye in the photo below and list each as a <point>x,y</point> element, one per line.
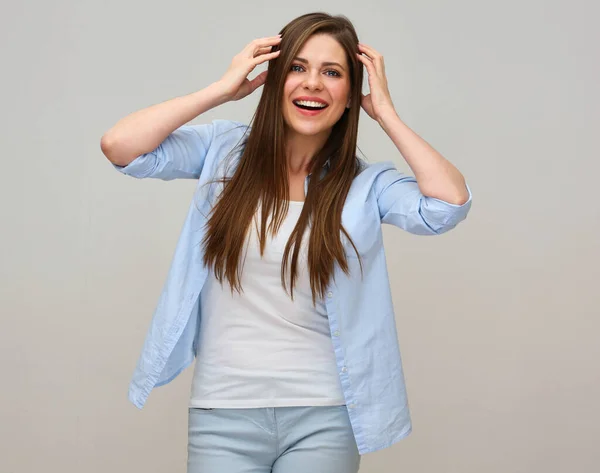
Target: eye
<point>300,68</point>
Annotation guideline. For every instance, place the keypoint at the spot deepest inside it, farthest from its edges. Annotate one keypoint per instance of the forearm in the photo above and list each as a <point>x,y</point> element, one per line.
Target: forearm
<point>142,131</point>
<point>436,176</point>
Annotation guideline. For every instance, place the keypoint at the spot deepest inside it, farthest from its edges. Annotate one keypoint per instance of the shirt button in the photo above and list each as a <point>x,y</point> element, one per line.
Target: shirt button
<point>330,294</point>
<point>344,369</point>
<point>351,406</point>
<point>336,333</point>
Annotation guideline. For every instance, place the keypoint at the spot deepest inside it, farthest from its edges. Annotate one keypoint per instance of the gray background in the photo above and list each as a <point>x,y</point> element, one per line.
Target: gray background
<point>498,319</point>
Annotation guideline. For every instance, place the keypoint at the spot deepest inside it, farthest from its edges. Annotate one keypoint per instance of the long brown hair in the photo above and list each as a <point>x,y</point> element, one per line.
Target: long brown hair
<point>261,174</point>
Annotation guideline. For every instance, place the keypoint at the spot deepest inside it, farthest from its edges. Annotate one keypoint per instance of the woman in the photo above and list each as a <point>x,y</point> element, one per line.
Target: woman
<point>279,285</point>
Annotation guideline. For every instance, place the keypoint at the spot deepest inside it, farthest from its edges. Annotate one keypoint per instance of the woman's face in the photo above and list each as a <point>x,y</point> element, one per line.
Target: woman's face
<point>319,73</point>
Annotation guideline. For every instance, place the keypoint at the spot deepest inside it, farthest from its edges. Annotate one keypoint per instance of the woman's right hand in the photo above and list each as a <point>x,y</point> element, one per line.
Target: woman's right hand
<point>235,82</point>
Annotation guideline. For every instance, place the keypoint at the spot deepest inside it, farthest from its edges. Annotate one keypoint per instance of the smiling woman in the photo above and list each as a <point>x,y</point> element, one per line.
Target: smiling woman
<point>318,87</point>
<point>317,64</point>
<point>279,284</point>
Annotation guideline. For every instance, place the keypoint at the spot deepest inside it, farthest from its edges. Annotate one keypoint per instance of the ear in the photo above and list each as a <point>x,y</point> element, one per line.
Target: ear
<point>348,104</point>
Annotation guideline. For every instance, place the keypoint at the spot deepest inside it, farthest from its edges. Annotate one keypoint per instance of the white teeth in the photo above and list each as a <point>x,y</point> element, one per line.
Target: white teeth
<point>310,104</point>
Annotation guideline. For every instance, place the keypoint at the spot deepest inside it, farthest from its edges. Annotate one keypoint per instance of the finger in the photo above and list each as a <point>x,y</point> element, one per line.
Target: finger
<point>365,56</point>
<point>258,81</point>
<point>270,41</point>
<point>375,56</point>
<point>266,40</point>
<point>374,68</point>
<point>367,62</point>
<point>266,57</point>
<point>369,50</point>
<point>261,43</point>
<point>364,50</point>
<point>364,102</point>
<point>266,49</point>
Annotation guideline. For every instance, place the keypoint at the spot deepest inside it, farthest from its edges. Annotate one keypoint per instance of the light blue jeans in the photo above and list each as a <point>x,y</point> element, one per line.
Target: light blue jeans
<point>313,439</point>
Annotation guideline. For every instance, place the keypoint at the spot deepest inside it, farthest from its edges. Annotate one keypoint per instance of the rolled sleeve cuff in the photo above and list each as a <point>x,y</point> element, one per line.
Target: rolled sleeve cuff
<point>442,215</point>
<point>140,167</point>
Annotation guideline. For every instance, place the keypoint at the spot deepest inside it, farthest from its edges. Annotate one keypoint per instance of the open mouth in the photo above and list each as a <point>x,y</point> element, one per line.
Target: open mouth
<point>310,106</point>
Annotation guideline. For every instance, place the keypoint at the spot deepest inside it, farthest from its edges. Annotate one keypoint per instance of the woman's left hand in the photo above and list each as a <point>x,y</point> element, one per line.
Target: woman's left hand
<point>378,102</point>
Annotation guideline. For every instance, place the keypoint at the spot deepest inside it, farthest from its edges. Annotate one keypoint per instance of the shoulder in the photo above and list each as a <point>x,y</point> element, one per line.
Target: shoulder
<point>228,131</point>
<point>214,133</point>
<point>227,139</point>
<point>376,175</point>
<point>223,125</point>
<point>373,169</point>
<point>369,178</point>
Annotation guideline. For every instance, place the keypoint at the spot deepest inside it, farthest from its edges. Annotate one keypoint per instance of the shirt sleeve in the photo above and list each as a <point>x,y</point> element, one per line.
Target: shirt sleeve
<point>402,204</point>
<point>180,156</point>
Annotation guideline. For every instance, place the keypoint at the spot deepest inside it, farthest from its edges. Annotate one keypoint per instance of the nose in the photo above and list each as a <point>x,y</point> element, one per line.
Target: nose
<point>313,81</point>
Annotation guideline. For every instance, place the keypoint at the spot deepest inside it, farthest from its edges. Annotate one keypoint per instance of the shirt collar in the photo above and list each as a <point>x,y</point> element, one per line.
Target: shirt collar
<point>326,166</point>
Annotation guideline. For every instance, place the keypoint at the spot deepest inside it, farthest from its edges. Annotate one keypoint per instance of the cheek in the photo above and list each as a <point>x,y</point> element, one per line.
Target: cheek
<point>288,89</point>
<point>290,85</point>
<point>340,92</point>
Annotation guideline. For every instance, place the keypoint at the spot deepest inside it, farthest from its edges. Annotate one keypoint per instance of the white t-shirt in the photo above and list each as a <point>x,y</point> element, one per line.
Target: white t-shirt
<point>260,348</point>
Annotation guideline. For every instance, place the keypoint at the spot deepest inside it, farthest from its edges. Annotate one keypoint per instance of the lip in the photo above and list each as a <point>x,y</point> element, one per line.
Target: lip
<point>309,113</point>
<point>311,99</point>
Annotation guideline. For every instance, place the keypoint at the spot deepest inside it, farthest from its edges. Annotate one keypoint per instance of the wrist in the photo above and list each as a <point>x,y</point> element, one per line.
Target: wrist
<point>387,117</point>
<point>219,92</point>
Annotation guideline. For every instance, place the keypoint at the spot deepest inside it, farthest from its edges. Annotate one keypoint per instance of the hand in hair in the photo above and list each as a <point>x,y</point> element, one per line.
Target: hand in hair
<point>235,82</point>
<point>379,101</point>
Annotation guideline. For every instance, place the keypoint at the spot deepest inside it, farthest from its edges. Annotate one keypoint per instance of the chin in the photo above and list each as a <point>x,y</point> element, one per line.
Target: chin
<point>308,129</point>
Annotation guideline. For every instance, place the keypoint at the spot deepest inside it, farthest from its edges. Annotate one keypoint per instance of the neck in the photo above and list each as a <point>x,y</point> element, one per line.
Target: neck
<point>300,149</point>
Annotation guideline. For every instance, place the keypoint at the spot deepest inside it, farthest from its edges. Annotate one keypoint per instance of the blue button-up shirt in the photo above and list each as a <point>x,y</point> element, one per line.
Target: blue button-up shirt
<point>359,308</point>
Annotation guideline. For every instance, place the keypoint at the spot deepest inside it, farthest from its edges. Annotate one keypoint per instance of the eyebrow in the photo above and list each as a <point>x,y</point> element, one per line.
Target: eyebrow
<point>305,61</point>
